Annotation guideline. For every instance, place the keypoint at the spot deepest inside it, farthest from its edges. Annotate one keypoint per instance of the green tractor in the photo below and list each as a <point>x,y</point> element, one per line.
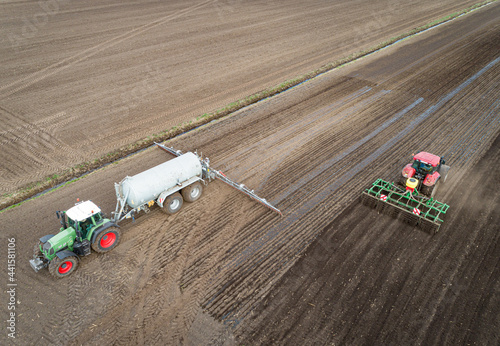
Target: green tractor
<point>83,227</point>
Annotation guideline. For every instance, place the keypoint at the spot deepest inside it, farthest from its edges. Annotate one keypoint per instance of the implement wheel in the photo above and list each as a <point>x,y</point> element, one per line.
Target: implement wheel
<point>107,240</point>
<point>60,268</point>
<point>192,192</point>
<point>172,204</point>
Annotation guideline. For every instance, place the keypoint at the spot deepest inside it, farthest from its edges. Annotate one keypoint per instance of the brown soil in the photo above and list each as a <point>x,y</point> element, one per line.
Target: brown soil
<point>81,80</point>
<point>225,269</point>
<point>368,279</point>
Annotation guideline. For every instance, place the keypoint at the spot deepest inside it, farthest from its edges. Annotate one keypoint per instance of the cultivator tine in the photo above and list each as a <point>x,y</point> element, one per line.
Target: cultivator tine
<point>388,209</point>
<point>416,210</point>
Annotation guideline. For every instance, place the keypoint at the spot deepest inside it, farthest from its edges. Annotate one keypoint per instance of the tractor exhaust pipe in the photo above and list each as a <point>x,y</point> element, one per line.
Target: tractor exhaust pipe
<point>62,216</point>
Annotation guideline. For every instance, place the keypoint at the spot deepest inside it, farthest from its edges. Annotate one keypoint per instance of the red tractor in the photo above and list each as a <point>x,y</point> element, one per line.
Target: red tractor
<point>424,174</point>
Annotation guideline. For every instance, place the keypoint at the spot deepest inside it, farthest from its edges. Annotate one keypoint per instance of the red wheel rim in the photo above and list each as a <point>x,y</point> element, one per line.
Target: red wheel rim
<point>65,267</point>
<point>108,240</point>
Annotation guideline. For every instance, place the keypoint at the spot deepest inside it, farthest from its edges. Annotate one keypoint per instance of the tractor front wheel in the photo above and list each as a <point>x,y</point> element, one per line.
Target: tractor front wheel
<point>60,268</point>
<point>107,240</point>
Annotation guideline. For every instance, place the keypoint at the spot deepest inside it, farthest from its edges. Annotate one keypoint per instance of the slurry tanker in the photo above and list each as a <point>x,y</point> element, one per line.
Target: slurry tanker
<point>85,227</point>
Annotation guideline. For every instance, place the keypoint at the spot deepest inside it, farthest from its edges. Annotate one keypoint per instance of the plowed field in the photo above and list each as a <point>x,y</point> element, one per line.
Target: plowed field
<point>226,269</point>
<point>81,80</point>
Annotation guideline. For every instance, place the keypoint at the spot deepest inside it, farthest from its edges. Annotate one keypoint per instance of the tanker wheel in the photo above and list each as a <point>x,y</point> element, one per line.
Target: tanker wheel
<point>192,192</point>
<point>60,268</point>
<point>107,240</point>
<point>173,203</point>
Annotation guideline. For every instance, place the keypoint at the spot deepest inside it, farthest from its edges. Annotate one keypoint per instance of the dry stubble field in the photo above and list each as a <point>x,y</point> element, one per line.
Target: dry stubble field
<point>226,269</point>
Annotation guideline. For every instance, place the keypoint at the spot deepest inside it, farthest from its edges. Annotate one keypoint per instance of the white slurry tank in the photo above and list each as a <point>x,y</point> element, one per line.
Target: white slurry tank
<point>148,185</point>
<point>168,185</point>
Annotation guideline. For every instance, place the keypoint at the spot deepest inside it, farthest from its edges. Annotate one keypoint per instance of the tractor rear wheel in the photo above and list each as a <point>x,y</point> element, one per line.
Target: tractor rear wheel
<point>192,192</point>
<point>60,268</point>
<point>107,240</point>
<point>400,181</point>
<point>173,203</point>
<point>434,190</point>
<point>427,190</point>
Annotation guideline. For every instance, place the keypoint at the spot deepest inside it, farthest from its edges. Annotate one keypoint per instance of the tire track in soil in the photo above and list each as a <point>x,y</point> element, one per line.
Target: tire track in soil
<point>187,307</point>
<point>29,145</point>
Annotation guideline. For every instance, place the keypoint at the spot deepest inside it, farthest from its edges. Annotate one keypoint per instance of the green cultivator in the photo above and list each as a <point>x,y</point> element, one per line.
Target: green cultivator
<point>410,206</point>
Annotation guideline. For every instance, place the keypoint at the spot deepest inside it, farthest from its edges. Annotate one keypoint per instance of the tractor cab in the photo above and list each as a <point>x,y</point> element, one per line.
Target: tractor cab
<point>424,164</point>
<point>426,161</point>
<point>83,217</point>
<point>423,167</point>
<point>423,173</point>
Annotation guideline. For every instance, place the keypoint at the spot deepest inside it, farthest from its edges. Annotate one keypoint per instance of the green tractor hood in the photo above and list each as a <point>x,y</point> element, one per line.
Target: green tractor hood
<point>62,240</point>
